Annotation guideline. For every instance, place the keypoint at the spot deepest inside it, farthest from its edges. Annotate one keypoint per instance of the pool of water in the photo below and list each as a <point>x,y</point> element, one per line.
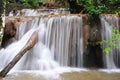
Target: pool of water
<point>65,74</point>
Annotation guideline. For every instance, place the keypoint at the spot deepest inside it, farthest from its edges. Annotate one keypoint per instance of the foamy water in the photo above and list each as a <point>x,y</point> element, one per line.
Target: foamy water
<point>64,73</point>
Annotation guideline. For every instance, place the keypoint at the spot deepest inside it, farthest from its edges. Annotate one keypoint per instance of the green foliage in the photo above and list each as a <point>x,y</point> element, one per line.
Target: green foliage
<point>43,1</point>
<point>60,1</point>
<point>88,6</point>
<point>107,50</point>
<point>96,7</point>
<point>113,42</point>
<point>7,1</point>
<point>117,12</point>
<point>93,6</point>
<point>114,1</point>
<point>99,6</point>
<point>33,3</point>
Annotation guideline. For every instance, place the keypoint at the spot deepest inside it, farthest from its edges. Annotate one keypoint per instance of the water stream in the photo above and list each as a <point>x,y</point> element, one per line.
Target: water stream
<point>108,24</point>
<point>58,55</point>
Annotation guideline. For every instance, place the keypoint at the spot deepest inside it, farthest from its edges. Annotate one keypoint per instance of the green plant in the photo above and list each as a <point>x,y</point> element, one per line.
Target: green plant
<point>95,8</point>
<point>98,6</point>
<point>7,1</point>
<point>113,42</point>
<point>117,12</point>
<point>114,1</point>
<point>43,1</point>
<point>33,3</point>
<point>60,1</point>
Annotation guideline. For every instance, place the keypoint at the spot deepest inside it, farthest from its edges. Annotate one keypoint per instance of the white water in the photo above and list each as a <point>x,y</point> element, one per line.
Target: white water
<point>38,12</point>
<point>38,58</point>
<point>63,36</point>
<point>108,23</point>
<point>7,54</point>
<point>59,37</point>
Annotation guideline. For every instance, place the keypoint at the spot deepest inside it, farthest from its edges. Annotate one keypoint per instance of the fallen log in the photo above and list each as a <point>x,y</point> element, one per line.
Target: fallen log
<point>31,42</point>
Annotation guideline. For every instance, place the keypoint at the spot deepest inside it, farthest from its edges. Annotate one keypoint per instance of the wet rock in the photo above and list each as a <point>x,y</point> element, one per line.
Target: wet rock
<point>9,32</point>
<point>86,35</point>
<point>53,4</point>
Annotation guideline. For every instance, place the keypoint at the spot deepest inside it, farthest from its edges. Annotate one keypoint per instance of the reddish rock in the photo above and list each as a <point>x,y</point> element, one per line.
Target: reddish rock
<point>9,33</point>
<point>53,4</point>
<point>86,36</point>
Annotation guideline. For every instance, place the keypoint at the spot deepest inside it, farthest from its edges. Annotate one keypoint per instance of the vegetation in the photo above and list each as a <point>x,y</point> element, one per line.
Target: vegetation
<point>113,42</point>
<point>98,6</point>
<point>33,3</point>
<point>94,8</point>
<point>82,6</point>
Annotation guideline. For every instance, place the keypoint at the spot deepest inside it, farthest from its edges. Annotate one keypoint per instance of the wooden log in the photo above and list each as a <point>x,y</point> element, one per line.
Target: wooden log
<point>31,42</point>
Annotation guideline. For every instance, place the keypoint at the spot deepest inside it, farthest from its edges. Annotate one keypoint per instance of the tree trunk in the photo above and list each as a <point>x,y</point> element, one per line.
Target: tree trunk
<point>31,42</point>
<point>1,8</point>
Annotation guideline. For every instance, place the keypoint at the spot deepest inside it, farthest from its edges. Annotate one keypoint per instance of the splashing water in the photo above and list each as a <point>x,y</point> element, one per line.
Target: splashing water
<point>38,58</point>
<point>60,43</point>
<point>63,36</point>
<point>60,39</point>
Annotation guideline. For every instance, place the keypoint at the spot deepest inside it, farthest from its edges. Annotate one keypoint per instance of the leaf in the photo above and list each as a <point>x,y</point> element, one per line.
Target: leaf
<point>107,50</point>
<point>115,30</point>
<point>116,46</point>
<point>103,42</point>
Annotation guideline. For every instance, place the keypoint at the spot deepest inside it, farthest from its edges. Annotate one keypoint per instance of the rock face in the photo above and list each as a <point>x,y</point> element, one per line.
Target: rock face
<point>92,48</point>
<point>86,34</point>
<point>9,33</point>
<point>53,4</point>
<point>10,30</point>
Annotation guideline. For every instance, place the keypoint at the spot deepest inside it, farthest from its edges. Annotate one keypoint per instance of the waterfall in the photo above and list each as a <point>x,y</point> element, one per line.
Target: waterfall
<point>7,54</point>
<point>38,58</point>
<point>108,22</point>
<point>60,43</point>
<point>63,36</point>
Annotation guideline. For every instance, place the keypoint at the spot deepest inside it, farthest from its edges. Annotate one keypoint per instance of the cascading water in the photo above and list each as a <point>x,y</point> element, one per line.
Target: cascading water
<point>38,12</point>
<point>63,35</point>
<point>64,38</point>
<point>38,58</point>
<point>108,23</point>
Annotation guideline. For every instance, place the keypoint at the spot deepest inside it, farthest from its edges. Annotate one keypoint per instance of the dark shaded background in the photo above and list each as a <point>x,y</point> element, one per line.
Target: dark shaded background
<point>1,10</point>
